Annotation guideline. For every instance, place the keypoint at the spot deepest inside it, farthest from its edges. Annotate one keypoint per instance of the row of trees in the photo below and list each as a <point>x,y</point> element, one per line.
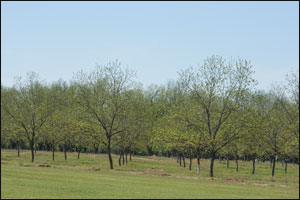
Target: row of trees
<point>210,111</point>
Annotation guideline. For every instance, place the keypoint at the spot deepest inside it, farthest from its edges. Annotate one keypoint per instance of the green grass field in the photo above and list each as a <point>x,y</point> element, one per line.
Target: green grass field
<point>143,177</point>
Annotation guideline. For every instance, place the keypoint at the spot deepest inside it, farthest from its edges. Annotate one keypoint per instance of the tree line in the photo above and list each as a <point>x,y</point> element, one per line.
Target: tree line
<point>212,111</point>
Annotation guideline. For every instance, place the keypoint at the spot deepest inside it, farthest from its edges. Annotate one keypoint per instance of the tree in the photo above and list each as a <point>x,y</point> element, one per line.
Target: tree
<point>9,130</point>
<point>101,94</point>
<point>288,98</point>
<point>218,89</point>
<point>30,104</point>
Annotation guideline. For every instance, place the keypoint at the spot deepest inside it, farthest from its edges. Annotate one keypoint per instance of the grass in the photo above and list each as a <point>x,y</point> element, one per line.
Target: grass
<point>144,177</point>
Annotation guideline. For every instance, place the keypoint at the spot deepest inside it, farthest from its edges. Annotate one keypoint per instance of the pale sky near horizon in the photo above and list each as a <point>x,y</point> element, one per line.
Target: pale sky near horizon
<point>156,39</point>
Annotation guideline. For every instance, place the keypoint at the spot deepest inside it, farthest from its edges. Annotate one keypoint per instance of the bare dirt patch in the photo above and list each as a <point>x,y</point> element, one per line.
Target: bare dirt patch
<point>156,172</point>
<point>283,186</point>
<point>95,169</point>
<point>241,181</point>
<point>44,165</point>
<point>258,184</point>
<point>154,157</point>
<point>186,177</point>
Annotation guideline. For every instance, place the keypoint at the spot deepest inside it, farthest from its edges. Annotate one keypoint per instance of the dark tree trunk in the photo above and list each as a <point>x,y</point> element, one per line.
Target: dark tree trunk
<point>253,166</point>
<point>190,162</point>
<point>32,154</point>
<point>213,156</point>
<point>32,150</point>
<point>285,167</point>
<point>198,164</point>
<point>18,149</point>
<point>65,151</point>
<point>79,150</point>
<point>109,156</point>
<point>53,153</point>
<point>123,158</point>
<point>227,162</point>
<point>183,159</point>
<point>237,163</point>
<point>126,157</point>
<point>130,155</point>
<point>180,161</point>
<point>120,159</point>
<point>273,168</point>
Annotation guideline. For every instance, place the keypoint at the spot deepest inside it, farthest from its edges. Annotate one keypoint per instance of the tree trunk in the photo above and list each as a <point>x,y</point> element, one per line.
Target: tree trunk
<point>123,158</point>
<point>190,162</point>
<point>18,149</point>
<point>53,153</point>
<point>65,151</point>
<point>273,168</point>
<point>126,157</point>
<point>130,155</point>
<point>198,164</point>
<point>285,167</point>
<point>183,159</point>
<point>108,151</point>
<point>120,159</point>
<point>180,161</point>
<point>253,166</point>
<point>237,163</point>
<point>213,156</point>
<point>109,155</point>
<point>271,163</point>
<point>79,150</point>
<point>32,154</point>
<point>227,162</point>
<point>32,150</point>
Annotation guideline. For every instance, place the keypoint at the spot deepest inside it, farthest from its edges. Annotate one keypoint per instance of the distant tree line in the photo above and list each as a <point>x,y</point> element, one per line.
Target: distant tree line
<point>212,111</point>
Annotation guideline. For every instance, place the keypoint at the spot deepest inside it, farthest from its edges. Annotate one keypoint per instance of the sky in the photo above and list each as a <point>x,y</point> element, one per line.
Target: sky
<point>155,39</point>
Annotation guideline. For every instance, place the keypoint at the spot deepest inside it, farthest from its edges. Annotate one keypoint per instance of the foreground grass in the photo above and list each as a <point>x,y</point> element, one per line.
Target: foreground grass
<point>144,177</point>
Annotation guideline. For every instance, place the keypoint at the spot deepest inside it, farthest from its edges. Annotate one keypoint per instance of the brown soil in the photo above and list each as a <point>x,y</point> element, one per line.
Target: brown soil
<point>95,169</point>
<point>156,172</point>
<point>44,165</point>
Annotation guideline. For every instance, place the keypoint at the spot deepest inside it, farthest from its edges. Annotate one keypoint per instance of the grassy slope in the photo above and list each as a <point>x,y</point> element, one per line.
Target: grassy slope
<point>144,177</point>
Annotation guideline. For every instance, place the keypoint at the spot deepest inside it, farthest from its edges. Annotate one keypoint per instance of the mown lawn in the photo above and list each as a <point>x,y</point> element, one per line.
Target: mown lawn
<point>144,177</point>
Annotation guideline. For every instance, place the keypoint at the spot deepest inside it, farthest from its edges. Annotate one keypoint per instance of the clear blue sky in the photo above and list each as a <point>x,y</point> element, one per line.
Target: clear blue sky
<point>156,39</point>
